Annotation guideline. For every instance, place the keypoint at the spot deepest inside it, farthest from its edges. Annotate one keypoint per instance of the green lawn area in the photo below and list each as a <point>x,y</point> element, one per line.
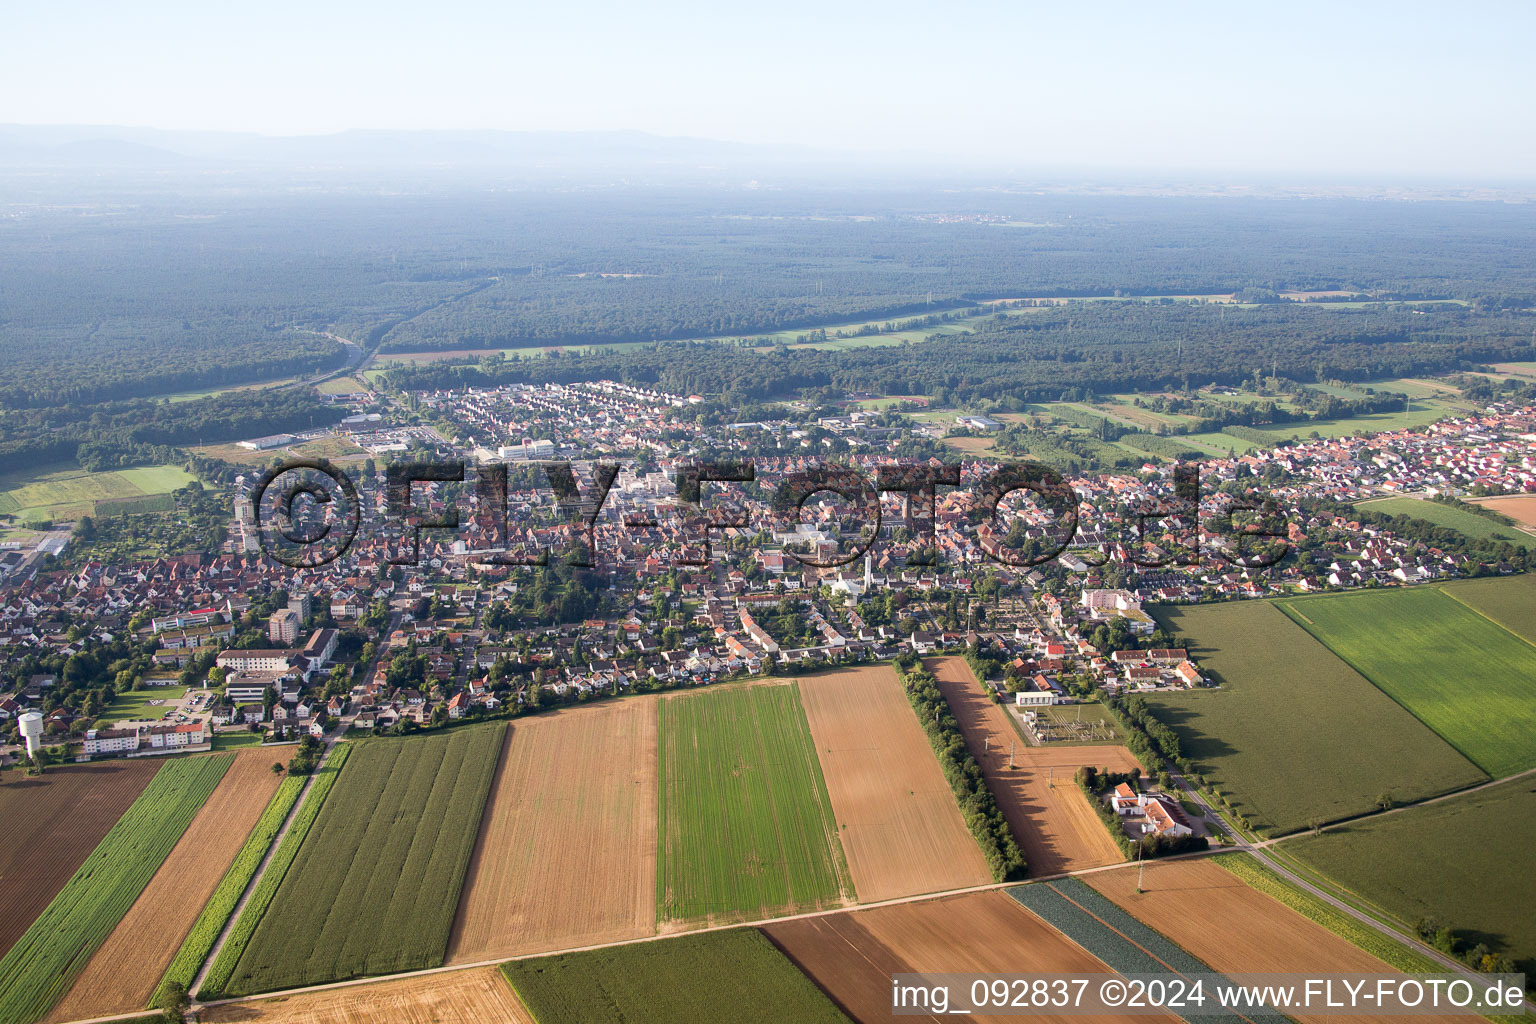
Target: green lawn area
<point>1294,733</point>
<point>1422,412</point>
<point>236,740</point>
<point>375,885</point>
<point>68,492</point>
<point>137,703</point>
<point>1077,724</point>
<point>720,977</point>
<point>1465,861</point>
<point>1468,524</point>
<point>1220,443</point>
<point>46,960</point>
<point>1466,677</point>
<point>745,824</point>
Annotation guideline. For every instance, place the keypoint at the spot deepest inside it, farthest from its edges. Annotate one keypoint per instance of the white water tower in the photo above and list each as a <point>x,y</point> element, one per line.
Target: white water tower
<point>31,732</point>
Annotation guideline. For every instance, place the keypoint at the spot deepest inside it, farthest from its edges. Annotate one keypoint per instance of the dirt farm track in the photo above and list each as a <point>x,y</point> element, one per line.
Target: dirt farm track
<point>896,815</point>
<point>1048,813</point>
<point>567,852</point>
<point>52,824</point>
<point>478,996</point>
<point>123,973</point>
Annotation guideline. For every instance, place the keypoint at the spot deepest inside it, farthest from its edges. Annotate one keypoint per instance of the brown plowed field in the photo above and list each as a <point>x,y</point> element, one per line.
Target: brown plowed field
<point>52,824</point>
<point>123,973</point>
<point>455,997</point>
<point>567,851</point>
<point>852,956</point>
<point>1235,929</point>
<point>1521,508</point>
<point>1049,815</point>
<point>896,815</point>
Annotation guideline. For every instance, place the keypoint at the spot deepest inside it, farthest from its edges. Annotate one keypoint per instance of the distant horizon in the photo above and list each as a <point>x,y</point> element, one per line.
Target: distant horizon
<point>785,156</point>
<point>1368,91</point>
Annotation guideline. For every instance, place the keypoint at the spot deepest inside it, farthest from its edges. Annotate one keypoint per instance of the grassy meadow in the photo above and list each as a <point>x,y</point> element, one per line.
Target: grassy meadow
<point>1464,861</point>
<point>1468,524</point>
<point>1466,677</point>
<point>69,492</point>
<point>136,704</point>
<point>720,977</point>
<point>745,824</point>
<point>1294,733</point>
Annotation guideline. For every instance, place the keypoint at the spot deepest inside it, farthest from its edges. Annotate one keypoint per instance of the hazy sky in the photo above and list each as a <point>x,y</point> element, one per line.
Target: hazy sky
<point>1382,90</point>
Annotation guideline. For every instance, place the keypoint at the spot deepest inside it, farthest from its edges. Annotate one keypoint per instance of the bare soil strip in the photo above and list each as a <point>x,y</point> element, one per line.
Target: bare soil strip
<point>1049,815</point>
<point>52,823</point>
<point>852,956</point>
<point>896,814</point>
<point>123,973</point>
<point>1235,929</point>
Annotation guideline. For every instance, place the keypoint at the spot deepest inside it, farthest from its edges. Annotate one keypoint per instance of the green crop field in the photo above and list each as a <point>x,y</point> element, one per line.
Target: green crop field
<point>1464,861</point>
<point>205,930</point>
<point>1466,677</point>
<point>715,978</point>
<point>1294,733</point>
<point>376,882</point>
<point>46,960</point>
<point>136,703</point>
<point>1508,600</point>
<point>1468,524</point>
<point>746,827</point>
<point>62,493</point>
<point>261,897</point>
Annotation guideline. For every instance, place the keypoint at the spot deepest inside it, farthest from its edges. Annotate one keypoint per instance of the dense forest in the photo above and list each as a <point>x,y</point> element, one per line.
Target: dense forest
<point>115,434</point>
<point>129,295</point>
<point>1096,347</point>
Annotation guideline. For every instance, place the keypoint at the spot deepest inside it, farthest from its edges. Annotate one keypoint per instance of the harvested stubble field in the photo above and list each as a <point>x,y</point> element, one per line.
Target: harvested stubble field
<point>1520,507</point>
<point>1295,733</point>
<point>205,932</point>
<point>1233,928</point>
<point>853,955</point>
<point>456,997</point>
<point>720,977</point>
<point>375,884</point>
<point>895,812</point>
<point>1047,811</point>
<point>1466,677</point>
<point>52,824</point>
<point>745,825</point>
<point>46,960</point>
<point>125,970</point>
<point>566,856</point>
